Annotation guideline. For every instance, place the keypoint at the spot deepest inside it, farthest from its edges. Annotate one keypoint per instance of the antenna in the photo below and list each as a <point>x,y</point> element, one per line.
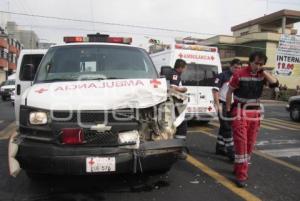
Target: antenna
<point>267,7</point>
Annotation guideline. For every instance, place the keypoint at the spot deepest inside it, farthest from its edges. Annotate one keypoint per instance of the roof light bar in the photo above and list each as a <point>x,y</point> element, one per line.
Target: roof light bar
<point>119,40</point>
<point>75,39</point>
<point>195,47</point>
<point>97,38</point>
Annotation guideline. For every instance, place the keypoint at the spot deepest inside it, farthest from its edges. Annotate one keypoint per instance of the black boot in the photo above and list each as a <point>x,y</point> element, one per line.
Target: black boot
<point>241,183</point>
<point>220,150</point>
<point>230,154</point>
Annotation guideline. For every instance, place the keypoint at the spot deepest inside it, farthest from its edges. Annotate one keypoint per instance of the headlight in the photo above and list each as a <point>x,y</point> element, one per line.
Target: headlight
<point>129,137</point>
<point>38,118</point>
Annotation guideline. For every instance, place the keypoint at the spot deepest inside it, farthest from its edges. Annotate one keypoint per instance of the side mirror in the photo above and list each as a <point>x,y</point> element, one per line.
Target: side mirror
<point>165,71</point>
<point>28,72</point>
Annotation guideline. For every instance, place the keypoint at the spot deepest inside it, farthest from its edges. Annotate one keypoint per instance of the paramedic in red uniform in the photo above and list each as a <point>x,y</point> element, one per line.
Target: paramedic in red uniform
<point>247,85</point>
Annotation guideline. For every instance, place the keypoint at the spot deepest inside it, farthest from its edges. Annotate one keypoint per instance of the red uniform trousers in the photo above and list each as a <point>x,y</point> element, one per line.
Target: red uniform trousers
<point>245,127</point>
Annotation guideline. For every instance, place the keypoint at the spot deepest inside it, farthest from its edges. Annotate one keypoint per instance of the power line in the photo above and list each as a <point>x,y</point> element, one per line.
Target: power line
<point>51,27</point>
<point>117,24</point>
<point>284,2</point>
<point>106,23</point>
<point>142,34</point>
<point>92,30</point>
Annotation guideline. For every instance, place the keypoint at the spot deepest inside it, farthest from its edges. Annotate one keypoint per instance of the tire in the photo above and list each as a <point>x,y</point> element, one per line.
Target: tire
<point>295,113</point>
<point>35,176</point>
<point>203,122</point>
<point>161,171</point>
<point>4,98</point>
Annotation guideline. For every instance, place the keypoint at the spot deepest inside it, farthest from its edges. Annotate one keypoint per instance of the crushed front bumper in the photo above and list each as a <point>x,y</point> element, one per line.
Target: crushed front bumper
<point>48,158</point>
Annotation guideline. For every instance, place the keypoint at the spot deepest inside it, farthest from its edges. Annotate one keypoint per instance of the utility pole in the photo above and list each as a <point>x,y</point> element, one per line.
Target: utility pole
<point>283,24</point>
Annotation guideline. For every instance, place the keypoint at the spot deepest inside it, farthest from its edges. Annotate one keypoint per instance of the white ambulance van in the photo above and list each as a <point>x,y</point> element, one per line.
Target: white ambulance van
<point>96,105</point>
<point>27,57</point>
<point>203,64</point>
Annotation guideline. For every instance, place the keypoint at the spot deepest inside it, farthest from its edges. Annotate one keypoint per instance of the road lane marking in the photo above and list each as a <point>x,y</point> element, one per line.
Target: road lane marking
<point>221,179</point>
<point>196,129</point>
<point>282,122</point>
<point>263,126</point>
<point>1,121</point>
<point>276,122</point>
<point>268,127</point>
<point>214,124</point>
<point>205,132</point>
<point>276,125</point>
<point>277,142</point>
<point>7,131</point>
<point>282,152</point>
<point>259,153</point>
<point>276,160</point>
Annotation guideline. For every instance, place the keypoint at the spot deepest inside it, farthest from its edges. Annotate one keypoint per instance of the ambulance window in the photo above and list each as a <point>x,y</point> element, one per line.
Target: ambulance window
<point>199,75</point>
<point>92,62</point>
<point>30,59</point>
<point>88,66</point>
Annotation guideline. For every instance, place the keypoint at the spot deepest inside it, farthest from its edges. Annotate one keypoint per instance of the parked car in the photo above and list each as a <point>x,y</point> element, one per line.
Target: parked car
<point>294,108</point>
<point>6,88</point>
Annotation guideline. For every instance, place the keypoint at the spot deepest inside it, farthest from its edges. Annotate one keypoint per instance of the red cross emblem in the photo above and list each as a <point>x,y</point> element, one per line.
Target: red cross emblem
<point>180,55</point>
<point>41,90</point>
<point>209,108</point>
<point>155,83</point>
<point>91,162</point>
<point>212,57</point>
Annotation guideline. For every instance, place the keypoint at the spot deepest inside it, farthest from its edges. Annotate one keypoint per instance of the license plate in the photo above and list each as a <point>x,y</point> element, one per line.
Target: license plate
<point>100,164</point>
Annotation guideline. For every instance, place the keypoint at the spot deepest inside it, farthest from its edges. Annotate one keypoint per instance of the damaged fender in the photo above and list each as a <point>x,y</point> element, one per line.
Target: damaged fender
<point>13,164</point>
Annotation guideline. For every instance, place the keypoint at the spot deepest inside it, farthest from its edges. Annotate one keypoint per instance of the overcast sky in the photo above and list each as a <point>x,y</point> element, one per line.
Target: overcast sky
<point>208,17</point>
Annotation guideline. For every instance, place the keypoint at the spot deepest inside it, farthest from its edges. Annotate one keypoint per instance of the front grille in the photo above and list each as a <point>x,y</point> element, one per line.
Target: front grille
<point>118,120</point>
<point>93,116</point>
<point>107,138</point>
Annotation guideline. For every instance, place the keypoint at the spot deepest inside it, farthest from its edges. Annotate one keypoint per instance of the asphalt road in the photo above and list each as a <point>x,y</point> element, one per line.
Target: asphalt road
<point>7,114</point>
<point>274,171</point>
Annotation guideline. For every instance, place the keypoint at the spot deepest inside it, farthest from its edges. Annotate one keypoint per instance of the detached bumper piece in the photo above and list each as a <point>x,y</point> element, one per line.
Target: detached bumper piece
<point>48,158</point>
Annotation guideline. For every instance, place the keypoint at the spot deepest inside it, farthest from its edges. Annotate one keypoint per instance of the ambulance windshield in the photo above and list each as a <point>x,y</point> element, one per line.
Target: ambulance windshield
<point>199,75</point>
<point>92,62</point>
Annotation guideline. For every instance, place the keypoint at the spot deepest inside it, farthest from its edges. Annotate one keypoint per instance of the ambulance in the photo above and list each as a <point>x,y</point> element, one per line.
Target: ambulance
<point>95,105</point>
<point>27,57</point>
<point>203,64</point>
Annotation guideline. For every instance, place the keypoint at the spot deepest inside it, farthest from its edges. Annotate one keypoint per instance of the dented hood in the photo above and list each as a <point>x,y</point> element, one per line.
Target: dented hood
<point>97,95</point>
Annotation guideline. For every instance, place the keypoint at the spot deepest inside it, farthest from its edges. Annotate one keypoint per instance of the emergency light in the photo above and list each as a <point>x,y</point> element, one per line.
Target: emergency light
<point>72,136</point>
<point>195,47</point>
<point>75,39</point>
<point>103,38</point>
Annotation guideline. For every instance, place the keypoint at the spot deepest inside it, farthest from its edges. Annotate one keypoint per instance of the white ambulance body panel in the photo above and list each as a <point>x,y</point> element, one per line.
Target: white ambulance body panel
<point>27,56</point>
<point>203,66</point>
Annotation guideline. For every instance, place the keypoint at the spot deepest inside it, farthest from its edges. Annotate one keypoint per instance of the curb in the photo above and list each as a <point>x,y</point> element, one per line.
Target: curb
<point>273,101</point>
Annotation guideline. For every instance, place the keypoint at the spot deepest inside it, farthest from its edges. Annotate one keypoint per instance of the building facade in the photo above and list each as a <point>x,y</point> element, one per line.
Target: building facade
<point>260,34</point>
<point>28,38</point>
<point>9,52</point>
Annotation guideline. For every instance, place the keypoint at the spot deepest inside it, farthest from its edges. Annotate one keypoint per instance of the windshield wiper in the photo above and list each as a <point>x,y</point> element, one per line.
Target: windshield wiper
<point>59,80</point>
<point>102,78</point>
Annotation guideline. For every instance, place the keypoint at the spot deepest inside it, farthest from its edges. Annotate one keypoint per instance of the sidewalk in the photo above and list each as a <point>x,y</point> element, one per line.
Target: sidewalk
<point>273,101</point>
